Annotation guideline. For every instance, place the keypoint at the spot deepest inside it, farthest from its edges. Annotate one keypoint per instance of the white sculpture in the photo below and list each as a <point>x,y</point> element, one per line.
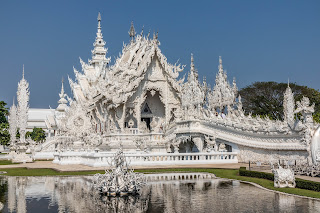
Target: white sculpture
<point>288,106</point>
<point>283,177</point>
<point>120,180</point>
<point>222,147</point>
<point>13,126</point>
<point>22,112</point>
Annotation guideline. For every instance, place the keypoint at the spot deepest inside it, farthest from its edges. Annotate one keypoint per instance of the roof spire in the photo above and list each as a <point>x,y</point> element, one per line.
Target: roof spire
<point>62,88</point>
<point>99,21</point>
<point>23,71</point>
<point>148,34</point>
<point>99,34</point>
<point>288,82</point>
<point>132,32</point>
<point>142,31</point>
<point>99,51</point>
<point>192,63</point>
<point>62,101</point>
<point>220,65</point>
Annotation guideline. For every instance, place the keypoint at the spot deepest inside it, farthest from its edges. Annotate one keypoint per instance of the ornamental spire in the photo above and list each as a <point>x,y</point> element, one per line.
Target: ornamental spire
<point>23,71</point>
<point>99,51</point>
<point>62,89</point>
<point>99,22</point>
<point>220,65</point>
<point>192,63</point>
<point>23,107</point>
<point>288,106</point>
<point>193,72</point>
<point>62,101</point>
<point>13,124</point>
<point>132,32</point>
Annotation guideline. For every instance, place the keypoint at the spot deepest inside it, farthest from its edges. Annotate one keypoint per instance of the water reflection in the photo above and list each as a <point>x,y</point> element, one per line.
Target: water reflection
<point>163,193</point>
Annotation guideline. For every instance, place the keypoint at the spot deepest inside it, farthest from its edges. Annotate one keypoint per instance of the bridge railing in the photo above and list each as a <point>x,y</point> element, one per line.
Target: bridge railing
<point>103,159</point>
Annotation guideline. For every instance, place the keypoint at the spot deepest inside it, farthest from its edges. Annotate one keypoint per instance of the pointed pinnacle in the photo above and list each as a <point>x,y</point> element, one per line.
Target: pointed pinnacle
<point>132,32</point>
<point>220,64</point>
<point>23,71</point>
<point>99,16</point>
<point>192,63</point>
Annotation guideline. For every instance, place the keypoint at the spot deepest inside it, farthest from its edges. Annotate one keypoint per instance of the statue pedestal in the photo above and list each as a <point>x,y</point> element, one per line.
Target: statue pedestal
<point>21,158</point>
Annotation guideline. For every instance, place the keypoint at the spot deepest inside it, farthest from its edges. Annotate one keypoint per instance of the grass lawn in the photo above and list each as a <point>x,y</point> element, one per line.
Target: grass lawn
<point>222,173</point>
<point>43,172</point>
<point>234,174</point>
<point>6,162</point>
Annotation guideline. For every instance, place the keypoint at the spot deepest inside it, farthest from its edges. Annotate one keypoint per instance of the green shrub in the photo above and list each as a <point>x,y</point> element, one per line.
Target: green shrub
<point>300,183</point>
<point>263,175</point>
<point>307,184</point>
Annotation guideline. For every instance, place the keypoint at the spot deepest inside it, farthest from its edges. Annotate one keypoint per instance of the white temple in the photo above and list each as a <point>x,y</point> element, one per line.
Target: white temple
<point>139,103</point>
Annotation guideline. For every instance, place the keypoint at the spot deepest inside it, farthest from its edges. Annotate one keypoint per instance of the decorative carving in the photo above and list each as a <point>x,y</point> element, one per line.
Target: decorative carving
<point>13,126</point>
<point>283,177</point>
<point>22,115</point>
<point>288,106</point>
<point>120,180</point>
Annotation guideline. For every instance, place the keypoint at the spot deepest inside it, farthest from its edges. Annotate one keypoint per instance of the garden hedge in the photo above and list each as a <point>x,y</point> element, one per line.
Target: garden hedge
<point>300,183</point>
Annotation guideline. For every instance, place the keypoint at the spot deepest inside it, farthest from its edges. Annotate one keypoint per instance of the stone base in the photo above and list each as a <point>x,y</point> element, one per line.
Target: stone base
<point>12,154</point>
<point>21,158</point>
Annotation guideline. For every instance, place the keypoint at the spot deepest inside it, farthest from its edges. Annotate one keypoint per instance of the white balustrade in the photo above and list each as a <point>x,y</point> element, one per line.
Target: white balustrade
<point>146,159</point>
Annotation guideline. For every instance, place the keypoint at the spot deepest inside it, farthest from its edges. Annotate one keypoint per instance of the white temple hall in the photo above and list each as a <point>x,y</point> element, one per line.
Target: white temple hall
<point>141,104</point>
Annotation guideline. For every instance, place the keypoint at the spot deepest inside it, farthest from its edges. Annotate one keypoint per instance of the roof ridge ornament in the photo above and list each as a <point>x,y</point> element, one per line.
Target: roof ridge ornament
<point>23,71</point>
<point>220,64</point>
<point>192,62</point>
<point>132,32</point>
<point>99,33</point>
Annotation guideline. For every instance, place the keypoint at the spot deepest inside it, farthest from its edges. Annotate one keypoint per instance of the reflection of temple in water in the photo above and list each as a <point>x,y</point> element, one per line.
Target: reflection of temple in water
<point>179,192</point>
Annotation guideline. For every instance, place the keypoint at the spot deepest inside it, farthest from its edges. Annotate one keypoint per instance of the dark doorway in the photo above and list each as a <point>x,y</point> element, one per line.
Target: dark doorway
<point>148,121</point>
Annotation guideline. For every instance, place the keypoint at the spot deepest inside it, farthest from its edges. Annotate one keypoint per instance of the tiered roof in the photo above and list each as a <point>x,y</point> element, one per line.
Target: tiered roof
<point>115,84</point>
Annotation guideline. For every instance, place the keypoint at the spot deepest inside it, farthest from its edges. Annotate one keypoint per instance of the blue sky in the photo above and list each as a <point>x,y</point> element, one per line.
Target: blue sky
<point>258,40</point>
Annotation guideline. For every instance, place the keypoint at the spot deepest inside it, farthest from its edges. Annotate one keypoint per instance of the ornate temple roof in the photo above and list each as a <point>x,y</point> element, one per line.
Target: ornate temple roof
<point>115,84</point>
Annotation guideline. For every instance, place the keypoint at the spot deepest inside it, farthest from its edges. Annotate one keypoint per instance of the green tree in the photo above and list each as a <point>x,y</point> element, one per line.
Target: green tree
<point>3,112</point>
<point>37,134</point>
<point>4,134</point>
<point>4,126</point>
<point>266,98</point>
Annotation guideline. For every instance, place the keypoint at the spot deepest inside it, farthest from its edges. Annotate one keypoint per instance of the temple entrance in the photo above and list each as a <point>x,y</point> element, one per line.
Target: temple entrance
<point>148,121</point>
<point>153,112</point>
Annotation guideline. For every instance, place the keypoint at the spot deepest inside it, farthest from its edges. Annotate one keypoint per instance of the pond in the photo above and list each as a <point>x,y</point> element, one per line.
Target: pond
<point>188,192</point>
